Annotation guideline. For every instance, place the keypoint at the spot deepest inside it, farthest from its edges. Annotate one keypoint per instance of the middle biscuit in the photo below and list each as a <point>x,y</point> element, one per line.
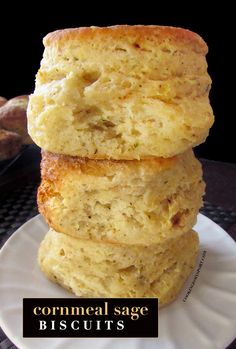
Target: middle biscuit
<point>141,202</point>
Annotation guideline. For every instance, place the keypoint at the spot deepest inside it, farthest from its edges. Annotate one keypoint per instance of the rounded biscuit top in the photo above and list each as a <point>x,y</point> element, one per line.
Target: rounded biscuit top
<point>138,33</point>
<point>121,92</point>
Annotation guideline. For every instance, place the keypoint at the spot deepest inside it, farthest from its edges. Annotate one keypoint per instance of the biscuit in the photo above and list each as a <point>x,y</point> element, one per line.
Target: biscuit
<point>10,144</point>
<point>13,117</point>
<point>3,100</point>
<point>122,92</point>
<point>96,269</point>
<point>139,201</point>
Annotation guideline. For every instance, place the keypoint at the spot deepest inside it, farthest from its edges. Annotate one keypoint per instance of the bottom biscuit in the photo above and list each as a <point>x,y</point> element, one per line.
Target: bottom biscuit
<point>96,269</point>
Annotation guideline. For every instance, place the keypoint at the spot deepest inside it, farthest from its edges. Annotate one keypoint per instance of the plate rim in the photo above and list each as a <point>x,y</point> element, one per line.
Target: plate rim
<point>10,332</point>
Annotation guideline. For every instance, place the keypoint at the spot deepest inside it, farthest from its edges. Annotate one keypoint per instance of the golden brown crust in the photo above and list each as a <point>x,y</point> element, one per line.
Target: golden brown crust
<point>53,163</point>
<point>120,201</point>
<point>137,32</point>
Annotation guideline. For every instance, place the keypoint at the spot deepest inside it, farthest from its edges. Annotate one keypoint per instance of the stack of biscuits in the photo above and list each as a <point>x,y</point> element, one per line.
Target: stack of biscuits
<point>116,111</point>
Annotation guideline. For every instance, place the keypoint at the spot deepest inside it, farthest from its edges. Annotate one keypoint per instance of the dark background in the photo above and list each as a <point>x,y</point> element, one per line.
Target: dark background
<point>21,51</point>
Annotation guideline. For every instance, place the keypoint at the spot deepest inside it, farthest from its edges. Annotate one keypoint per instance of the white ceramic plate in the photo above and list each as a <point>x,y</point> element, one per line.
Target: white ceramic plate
<point>206,320</point>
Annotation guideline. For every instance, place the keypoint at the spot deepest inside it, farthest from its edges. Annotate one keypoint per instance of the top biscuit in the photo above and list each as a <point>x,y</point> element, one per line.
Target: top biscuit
<point>122,92</point>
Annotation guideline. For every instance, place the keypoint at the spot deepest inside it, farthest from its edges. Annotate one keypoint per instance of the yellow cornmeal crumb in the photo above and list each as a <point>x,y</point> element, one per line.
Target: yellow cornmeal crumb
<point>126,92</point>
<point>96,269</point>
<point>140,202</point>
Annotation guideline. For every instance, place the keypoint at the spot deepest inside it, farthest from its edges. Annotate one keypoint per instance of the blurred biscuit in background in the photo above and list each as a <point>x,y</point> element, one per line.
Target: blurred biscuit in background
<point>13,117</point>
<point>10,144</point>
